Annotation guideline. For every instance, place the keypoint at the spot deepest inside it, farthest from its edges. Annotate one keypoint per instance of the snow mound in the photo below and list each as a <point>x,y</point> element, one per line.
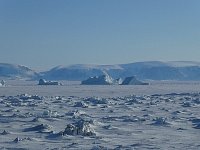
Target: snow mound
<point>196,123</point>
<point>96,100</point>
<point>99,147</point>
<point>43,128</point>
<point>160,121</point>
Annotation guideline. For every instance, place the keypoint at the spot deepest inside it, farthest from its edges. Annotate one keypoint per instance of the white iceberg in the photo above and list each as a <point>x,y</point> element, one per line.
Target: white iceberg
<point>99,80</point>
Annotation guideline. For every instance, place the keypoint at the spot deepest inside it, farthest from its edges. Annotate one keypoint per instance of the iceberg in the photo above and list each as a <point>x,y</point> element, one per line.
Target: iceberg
<point>99,80</point>
<point>44,82</point>
<point>2,83</point>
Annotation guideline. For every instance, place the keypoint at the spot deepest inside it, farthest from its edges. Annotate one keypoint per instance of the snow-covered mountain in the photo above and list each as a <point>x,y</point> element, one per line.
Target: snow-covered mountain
<point>75,72</point>
<point>14,71</point>
<point>150,70</point>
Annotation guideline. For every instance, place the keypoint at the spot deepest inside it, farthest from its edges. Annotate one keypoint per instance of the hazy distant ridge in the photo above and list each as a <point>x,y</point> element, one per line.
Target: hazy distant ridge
<point>14,71</point>
<point>151,70</point>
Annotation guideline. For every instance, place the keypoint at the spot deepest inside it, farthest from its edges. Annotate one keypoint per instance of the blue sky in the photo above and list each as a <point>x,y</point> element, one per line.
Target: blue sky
<point>45,33</point>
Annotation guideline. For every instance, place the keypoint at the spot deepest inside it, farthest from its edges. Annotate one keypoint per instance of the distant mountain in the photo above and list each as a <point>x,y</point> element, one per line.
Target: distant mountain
<point>13,71</point>
<point>76,72</point>
<point>150,70</point>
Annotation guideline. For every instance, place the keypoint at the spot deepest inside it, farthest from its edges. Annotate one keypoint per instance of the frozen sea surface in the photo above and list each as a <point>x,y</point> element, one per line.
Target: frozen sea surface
<point>73,88</point>
<point>162,115</point>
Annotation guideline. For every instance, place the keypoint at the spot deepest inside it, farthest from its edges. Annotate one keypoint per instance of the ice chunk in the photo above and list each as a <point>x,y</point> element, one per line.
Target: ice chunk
<point>2,83</point>
<point>81,127</point>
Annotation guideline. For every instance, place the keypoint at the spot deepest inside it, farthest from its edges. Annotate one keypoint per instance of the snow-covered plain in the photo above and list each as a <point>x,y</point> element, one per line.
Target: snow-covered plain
<point>162,115</point>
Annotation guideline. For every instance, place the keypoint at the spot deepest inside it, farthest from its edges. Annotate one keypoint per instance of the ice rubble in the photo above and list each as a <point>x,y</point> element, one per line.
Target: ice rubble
<point>81,127</point>
<point>133,115</point>
<point>160,121</point>
<point>16,140</point>
<point>5,132</point>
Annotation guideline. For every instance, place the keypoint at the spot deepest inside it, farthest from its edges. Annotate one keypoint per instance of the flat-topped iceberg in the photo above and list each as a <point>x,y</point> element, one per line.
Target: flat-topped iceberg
<point>44,82</point>
<point>98,80</point>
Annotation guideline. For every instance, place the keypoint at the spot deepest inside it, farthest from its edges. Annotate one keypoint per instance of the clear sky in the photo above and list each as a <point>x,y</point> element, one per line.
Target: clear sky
<point>45,33</point>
